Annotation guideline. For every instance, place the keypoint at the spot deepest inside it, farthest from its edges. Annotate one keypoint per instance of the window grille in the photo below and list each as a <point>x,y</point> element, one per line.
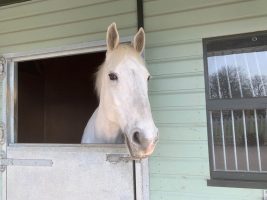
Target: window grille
<point>236,97</point>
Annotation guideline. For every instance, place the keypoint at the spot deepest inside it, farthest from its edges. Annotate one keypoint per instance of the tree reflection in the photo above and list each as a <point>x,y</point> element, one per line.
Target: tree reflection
<point>235,82</point>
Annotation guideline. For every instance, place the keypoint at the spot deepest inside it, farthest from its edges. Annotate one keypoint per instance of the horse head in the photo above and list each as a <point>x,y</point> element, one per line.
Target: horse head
<point>122,87</point>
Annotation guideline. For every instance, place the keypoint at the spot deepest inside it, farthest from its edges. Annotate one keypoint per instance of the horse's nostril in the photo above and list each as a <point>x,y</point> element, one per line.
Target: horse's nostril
<point>136,137</point>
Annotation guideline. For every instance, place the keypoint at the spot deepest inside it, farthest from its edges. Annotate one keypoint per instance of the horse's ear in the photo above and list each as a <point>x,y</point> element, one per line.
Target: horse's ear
<point>112,37</point>
<point>139,41</point>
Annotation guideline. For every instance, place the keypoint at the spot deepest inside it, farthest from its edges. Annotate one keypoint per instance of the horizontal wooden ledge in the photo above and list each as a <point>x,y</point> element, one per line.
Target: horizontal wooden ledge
<point>196,8</point>
<point>180,176</point>
<point>181,124</point>
<point>60,38</point>
<point>188,195</point>
<point>181,159</point>
<point>181,91</point>
<point>177,75</point>
<point>172,59</point>
<point>178,108</point>
<point>66,23</point>
<point>177,158</point>
<point>173,43</point>
<point>204,24</point>
<point>190,142</point>
<point>53,11</point>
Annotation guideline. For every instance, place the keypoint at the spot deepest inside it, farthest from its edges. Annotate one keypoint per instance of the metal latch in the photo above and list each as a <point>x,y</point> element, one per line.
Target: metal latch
<point>2,133</point>
<point>4,162</point>
<point>115,158</point>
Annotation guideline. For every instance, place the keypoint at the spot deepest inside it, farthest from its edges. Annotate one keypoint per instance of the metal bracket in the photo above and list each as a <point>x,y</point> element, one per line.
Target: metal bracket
<point>115,158</point>
<point>2,167</point>
<point>3,63</point>
<point>4,162</point>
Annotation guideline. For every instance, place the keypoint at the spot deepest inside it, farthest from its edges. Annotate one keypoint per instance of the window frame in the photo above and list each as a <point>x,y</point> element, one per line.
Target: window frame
<point>222,178</point>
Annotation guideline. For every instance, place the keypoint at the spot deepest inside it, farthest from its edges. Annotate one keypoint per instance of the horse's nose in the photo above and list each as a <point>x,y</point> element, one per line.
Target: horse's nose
<point>140,140</point>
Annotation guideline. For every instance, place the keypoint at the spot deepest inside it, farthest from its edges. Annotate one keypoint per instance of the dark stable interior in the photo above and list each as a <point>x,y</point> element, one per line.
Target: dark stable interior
<point>56,98</point>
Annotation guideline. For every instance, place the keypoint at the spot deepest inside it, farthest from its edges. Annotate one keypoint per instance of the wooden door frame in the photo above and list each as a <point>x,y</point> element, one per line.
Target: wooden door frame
<point>9,103</point>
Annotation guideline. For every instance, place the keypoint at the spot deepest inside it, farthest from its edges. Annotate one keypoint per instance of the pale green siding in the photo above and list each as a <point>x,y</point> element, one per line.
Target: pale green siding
<point>175,28</point>
<point>40,24</point>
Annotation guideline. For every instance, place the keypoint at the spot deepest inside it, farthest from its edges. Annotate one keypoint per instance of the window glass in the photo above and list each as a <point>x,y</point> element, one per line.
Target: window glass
<point>238,75</point>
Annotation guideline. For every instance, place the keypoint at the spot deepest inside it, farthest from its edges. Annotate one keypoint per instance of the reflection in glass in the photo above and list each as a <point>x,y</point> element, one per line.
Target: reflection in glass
<point>238,75</point>
<point>240,142</point>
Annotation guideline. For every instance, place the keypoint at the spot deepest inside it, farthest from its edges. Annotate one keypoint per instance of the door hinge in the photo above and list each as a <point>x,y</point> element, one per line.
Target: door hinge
<point>3,63</point>
<point>4,162</point>
<point>2,133</point>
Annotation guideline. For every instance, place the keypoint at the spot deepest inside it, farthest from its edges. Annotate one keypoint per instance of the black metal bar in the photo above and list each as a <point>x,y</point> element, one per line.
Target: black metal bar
<point>140,14</point>
<point>237,183</point>
<point>134,180</point>
<point>8,2</point>
<point>237,104</point>
<point>241,175</point>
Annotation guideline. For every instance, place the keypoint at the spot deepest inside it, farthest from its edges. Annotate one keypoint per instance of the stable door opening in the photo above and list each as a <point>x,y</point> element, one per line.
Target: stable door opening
<point>55,98</point>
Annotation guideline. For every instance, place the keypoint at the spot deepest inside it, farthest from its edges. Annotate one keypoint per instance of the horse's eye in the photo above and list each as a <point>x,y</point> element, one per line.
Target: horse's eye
<point>113,76</point>
<point>148,78</point>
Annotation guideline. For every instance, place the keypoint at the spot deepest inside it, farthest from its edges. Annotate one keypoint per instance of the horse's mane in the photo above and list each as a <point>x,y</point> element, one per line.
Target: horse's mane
<point>113,59</point>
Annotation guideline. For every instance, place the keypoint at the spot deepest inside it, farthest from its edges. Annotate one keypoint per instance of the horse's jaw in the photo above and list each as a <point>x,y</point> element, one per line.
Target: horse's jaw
<point>107,130</point>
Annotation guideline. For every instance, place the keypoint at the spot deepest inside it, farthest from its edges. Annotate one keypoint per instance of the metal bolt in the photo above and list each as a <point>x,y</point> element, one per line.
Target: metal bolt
<point>2,156</point>
<point>254,39</point>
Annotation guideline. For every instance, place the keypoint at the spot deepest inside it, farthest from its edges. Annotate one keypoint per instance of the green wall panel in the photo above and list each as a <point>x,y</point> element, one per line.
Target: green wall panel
<point>178,67</point>
<point>187,184</point>
<point>179,168</point>
<point>178,83</point>
<point>177,100</point>
<point>196,17</point>
<point>43,24</point>
<point>171,134</point>
<point>181,149</point>
<point>170,166</point>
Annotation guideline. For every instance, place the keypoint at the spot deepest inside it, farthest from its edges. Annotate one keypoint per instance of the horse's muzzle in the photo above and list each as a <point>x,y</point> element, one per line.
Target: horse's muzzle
<point>140,146</point>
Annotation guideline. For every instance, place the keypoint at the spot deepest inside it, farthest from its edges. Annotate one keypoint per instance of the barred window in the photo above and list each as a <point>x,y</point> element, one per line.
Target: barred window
<point>236,99</point>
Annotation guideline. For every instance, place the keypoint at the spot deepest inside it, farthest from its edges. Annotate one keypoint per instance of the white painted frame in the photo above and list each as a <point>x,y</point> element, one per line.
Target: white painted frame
<point>9,101</point>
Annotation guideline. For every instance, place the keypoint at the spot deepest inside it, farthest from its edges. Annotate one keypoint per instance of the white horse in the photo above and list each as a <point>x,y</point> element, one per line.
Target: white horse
<point>124,112</point>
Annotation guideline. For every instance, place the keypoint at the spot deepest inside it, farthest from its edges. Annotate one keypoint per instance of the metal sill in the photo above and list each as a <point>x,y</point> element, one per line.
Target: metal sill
<point>237,183</point>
